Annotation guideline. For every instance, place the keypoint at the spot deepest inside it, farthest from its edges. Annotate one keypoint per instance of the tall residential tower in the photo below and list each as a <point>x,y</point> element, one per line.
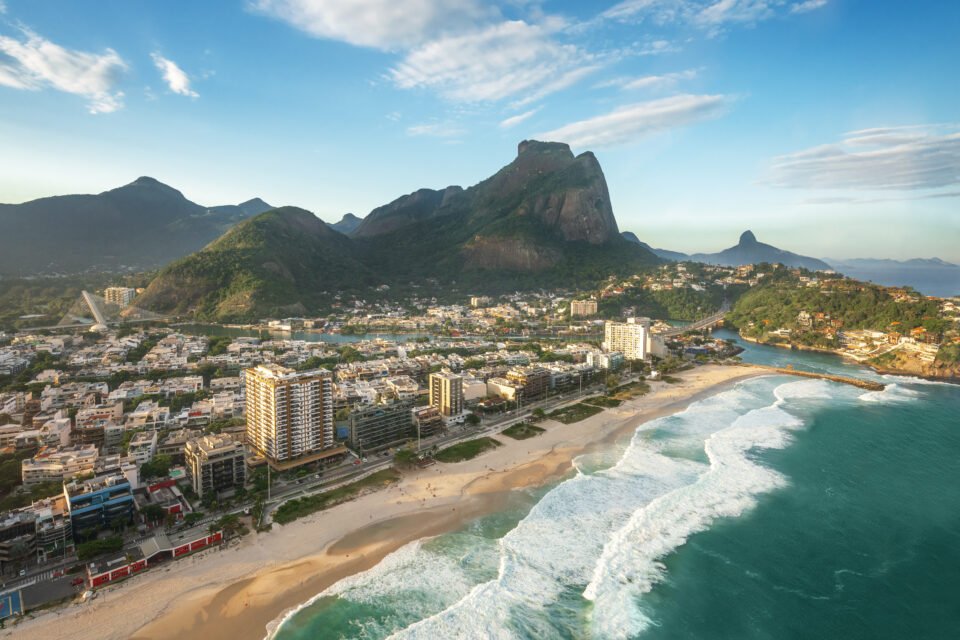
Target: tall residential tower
<point>289,414</point>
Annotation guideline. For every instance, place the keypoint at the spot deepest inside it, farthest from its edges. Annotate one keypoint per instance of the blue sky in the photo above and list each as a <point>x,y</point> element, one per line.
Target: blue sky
<point>829,127</point>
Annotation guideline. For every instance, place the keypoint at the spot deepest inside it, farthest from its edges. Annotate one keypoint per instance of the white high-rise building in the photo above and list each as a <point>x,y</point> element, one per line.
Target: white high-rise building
<point>630,337</point>
<point>289,413</point>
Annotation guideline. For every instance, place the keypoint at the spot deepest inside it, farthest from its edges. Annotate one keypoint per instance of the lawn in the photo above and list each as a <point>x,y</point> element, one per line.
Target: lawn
<point>603,401</point>
<point>466,450</point>
<point>522,431</point>
<point>575,413</point>
<point>300,507</point>
<point>631,390</point>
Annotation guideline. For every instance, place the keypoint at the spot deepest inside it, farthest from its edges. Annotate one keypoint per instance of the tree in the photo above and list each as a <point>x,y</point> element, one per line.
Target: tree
<point>472,419</point>
<point>159,467</point>
<point>613,381</point>
<point>539,413</point>
<point>405,458</point>
<point>153,513</point>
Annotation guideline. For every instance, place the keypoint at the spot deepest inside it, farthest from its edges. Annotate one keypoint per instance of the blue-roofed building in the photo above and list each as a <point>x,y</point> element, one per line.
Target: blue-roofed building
<point>98,503</point>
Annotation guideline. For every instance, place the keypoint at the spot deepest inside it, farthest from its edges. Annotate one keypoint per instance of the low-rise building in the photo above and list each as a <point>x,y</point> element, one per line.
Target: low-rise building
<point>98,503</point>
<point>143,446</point>
<point>58,464</point>
<point>215,463</point>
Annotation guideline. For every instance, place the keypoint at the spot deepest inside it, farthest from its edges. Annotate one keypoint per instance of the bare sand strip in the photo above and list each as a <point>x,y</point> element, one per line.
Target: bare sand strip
<point>235,593</point>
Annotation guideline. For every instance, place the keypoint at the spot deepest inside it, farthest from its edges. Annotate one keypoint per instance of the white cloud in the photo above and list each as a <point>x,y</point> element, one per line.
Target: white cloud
<point>710,15</point>
<point>436,130</point>
<point>893,158</point>
<point>665,80</point>
<point>500,61</point>
<point>513,121</point>
<point>808,5</point>
<point>175,77</point>
<point>381,24</point>
<point>632,122</point>
<point>36,63</point>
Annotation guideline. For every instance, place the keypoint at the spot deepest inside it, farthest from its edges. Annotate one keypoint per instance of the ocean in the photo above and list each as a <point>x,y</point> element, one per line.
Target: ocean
<point>778,508</point>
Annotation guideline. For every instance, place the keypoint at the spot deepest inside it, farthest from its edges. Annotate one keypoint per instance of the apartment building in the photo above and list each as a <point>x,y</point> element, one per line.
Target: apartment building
<point>630,337</point>
<point>446,393</point>
<point>289,414</point>
<point>214,463</point>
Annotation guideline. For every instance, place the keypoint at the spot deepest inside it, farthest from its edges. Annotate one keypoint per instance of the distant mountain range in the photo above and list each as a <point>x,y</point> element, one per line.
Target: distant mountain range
<point>144,224</point>
<point>544,219</point>
<point>347,225</point>
<point>747,251</point>
<point>931,276</point>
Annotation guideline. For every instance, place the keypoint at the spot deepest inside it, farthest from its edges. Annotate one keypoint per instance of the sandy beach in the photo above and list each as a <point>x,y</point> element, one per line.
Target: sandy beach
<point>235,593</point>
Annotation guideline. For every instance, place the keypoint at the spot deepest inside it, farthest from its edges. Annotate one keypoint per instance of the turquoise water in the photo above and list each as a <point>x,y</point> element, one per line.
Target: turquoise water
<point>780,508</point>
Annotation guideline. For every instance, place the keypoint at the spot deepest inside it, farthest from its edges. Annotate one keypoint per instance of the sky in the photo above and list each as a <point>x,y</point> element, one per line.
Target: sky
<point>828,127</point>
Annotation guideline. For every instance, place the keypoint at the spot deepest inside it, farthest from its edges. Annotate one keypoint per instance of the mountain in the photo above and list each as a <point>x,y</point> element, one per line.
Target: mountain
<point>930,276</point>
<point>544,219</point>
<point>143,224</point>
<point>282,262</point>
<point>666,254</point>
<point>749,251</point>
<point>347,225</point>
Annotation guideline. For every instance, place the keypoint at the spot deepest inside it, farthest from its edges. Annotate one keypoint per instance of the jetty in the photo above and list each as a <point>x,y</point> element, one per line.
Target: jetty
<point>854,382</point>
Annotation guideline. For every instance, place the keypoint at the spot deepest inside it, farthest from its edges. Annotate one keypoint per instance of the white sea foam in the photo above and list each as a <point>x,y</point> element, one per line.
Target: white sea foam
<point>557,545</point>
<point>891,393</point>
<point>914,380</point>
<point>631,560</point>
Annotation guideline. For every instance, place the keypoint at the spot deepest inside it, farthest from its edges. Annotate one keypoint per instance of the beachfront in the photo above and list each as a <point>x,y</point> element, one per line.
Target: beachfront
<point>236,593</point>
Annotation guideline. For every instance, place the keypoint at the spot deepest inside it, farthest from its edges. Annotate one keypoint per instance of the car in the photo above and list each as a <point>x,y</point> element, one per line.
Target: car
<point>76,582</point>
<point>23,572</point>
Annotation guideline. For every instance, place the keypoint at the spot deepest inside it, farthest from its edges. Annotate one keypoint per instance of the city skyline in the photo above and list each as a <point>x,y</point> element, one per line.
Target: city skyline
<point>708,117</point>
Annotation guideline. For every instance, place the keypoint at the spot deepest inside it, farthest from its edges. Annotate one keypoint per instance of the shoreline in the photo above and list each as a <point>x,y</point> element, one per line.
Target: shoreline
<point>850,359</point>
<point>236,593</point>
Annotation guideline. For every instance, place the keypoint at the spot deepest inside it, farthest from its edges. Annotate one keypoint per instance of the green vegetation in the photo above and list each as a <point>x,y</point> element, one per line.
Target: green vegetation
<point>522,431</point>
<point>94,548</point>
<point>949,354</point>
<point>606,402</point>
<point>405,458</point>
<point>300,507</point>
<point>856,305</point>
<point>575,413</point>
<point>159,467</point>
<point>631,390</point>
<point>467,450</point>
<point>671,379</point>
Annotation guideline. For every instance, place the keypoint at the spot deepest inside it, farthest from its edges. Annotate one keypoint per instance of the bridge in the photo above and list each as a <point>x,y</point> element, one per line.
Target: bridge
<point>92,312</point>
<point>704,323</point>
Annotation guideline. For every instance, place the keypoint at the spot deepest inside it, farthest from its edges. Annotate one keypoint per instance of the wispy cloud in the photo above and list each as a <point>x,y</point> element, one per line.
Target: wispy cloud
<point>892,158</point>
<point>35,63</point>
<point>436,130</point>
<point>175,77</point>
<point>808,5</point>
<point>513,121</point>
<point>666,80</point>
<point>381,24</point>
<point>463,50</point>
<point>632,122</point>
<point>709,15</point>
<point>503,60</point>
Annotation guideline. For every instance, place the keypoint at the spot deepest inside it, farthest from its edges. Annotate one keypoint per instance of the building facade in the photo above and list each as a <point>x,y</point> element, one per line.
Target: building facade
<point>289,414</point>
<point>120,296</point>
<point>579,308</point>
<point>629,338</point>
<point>214,463</point>
<point>446,393</point>
<point>98,503</point>
<point>380,426</point>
